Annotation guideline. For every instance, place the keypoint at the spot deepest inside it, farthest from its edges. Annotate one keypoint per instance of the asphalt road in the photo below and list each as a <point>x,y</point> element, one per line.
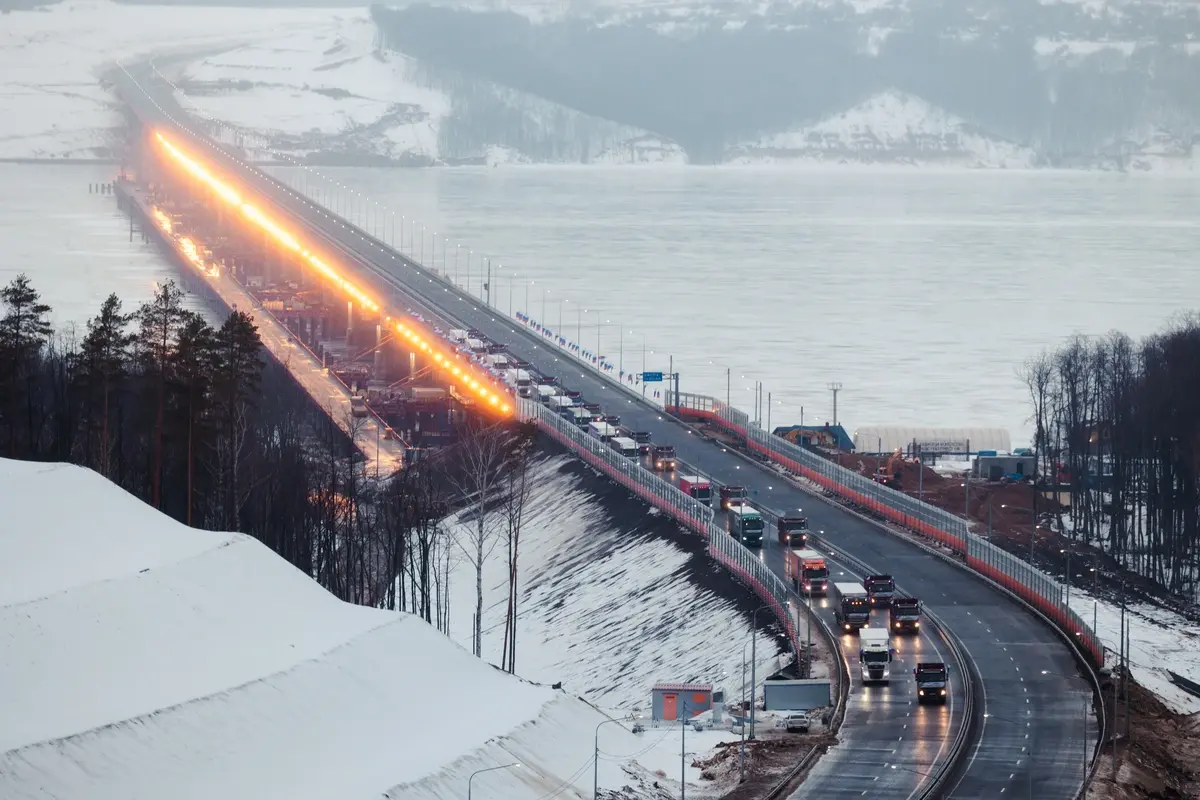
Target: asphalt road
<point>1035,738</point>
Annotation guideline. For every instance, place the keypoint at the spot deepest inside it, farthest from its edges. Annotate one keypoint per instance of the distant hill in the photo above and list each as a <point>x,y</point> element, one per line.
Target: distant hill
<point>1073,84</point>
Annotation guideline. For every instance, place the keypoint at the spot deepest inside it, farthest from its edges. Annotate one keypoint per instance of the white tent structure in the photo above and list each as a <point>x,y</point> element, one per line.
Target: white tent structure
<point>932,441</point>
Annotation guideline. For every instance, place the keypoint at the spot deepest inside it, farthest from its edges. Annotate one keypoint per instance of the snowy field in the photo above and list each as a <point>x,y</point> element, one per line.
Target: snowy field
<point>51,59</point>
<point>609,607</point>
<point>1159,641</point>
<point>158,661</point>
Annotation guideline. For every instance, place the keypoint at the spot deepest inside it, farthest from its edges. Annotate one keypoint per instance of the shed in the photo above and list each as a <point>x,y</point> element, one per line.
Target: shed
<point>669,700</point>
<point>877,439</point>
<point>995,467</point>
<point>796,695</point>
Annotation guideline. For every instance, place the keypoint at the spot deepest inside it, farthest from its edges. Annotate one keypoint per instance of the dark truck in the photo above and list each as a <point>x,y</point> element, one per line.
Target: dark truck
<point>793,532</point>
<point>933,683</point>
<point>663,458</point>
<point>851,608</point>
<point>904,616</point>
<point>880,590</point>
<point>732,496</point>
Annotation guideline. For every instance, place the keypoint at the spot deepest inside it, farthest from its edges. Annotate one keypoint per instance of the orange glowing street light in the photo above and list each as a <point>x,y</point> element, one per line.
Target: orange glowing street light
<point>464,375</point>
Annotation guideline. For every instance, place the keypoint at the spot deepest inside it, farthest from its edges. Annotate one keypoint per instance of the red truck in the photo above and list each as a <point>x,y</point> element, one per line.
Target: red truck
<point>732,496</point>
<point>697,487</point>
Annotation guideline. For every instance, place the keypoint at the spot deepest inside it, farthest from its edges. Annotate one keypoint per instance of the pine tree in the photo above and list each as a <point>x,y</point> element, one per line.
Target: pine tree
<point>160,321</point>
<point>105,363</point>
<point>191,369</point>
<point>237,379</point>
<point>24,332</point>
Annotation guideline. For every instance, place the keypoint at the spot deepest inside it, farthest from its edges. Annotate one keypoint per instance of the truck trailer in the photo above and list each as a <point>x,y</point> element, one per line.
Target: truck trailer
<point>809,572</point>
<point>851,606</point>
<point>697,487</point>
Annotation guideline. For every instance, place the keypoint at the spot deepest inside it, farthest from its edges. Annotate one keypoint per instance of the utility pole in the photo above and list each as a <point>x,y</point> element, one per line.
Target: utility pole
<point>728,388</point>
<point>835,387</point>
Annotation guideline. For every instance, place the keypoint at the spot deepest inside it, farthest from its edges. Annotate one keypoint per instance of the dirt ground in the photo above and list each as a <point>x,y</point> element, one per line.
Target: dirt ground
<point>768,759</point>
<point>1160,759</point>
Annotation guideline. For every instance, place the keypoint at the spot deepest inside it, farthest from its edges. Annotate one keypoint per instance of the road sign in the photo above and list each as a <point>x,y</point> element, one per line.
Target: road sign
<point>652,377</point>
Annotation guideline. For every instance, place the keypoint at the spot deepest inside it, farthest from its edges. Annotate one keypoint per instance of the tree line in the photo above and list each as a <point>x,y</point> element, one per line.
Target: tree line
<point>196,421</point>
<point>1118,421</point>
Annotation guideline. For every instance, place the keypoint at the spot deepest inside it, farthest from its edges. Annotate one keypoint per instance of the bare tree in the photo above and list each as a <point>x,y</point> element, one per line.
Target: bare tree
<point>516,496</point>
<point>478,473</point>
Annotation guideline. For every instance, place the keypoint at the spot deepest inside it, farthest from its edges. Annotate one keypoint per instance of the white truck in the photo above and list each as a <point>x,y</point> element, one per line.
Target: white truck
<point>875,655</point>
<point>602,431</point>
<point>458,335</point>
<point>580,416</point>
<point>625,446</point>
<point>560,403</point>
<point>546,393</point>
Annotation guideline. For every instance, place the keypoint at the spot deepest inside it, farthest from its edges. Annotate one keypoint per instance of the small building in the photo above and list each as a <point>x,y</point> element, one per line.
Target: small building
<point>796,695</point>
<point>827,436</point>
<point>994,466</point>
<point>671,700</point>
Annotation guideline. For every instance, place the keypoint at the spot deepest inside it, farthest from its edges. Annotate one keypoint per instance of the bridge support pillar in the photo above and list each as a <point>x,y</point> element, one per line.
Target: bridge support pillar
<point>349,321</point>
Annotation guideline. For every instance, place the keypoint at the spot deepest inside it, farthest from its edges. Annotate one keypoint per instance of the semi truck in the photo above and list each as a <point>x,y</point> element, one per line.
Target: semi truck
<point>602,431</point>
<point>933,682</point>
<point>875,655</point>
<point>663,458</point>
<point>732,496</point>
<point>697,487</point>
<point>746,525</point>
<point>358,406</point>
<point>793,532</point>
<point>880,589</point>
<point>904,616</point>
<point>809,573</point>
<point>851,607</point>
<point>626,447</point>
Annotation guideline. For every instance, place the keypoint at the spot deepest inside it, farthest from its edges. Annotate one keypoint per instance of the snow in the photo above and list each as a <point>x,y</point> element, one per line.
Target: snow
<point>329,81</point>
<point>148,660</point>
<point>51,59</point>
<point>888,127</point>
<point>1159,640</point>
<point>598,578</point>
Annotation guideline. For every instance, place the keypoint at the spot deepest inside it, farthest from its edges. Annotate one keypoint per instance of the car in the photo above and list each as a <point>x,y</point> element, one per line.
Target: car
<point>796,723</point>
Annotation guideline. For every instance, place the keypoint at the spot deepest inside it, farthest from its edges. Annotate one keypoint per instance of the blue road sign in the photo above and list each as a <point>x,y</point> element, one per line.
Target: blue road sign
<point>652,377</point>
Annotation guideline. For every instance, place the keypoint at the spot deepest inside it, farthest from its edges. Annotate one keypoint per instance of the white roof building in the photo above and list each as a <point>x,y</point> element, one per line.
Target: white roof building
<point>932,441</point>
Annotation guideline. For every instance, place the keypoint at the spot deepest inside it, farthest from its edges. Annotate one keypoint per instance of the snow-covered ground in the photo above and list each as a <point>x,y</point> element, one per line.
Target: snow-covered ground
<point>1159,641</point>
<point>148,660</point>
<point>51,58</point>
<point>331,90</point>
<point>608,606</point>
<point>891,127</point>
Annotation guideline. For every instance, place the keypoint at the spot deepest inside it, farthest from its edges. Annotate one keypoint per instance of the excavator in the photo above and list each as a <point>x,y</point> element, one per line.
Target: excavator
<point>889,475</point>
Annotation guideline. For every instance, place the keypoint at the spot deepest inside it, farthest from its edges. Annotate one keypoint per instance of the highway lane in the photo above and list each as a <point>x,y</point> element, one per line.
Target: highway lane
<point>1036,729</point>
<point>889,743</point>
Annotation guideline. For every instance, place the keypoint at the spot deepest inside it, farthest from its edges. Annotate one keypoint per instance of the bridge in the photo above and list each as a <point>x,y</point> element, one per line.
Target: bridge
<point>1024,717</point>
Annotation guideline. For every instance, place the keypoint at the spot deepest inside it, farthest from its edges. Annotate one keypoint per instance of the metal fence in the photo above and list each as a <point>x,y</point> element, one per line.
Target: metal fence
<point>691,513</point>
<point>1020,577</point>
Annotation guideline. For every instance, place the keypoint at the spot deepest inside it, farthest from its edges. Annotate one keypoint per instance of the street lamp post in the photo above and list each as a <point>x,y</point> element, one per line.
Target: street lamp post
<point>471,779</point>
<point>754,666</point>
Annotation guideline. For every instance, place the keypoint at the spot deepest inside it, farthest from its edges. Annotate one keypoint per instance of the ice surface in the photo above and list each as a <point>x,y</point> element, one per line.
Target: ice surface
<point>146,660</point>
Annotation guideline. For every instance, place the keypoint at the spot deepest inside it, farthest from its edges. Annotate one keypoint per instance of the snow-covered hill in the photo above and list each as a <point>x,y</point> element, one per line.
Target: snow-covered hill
<point>891,127</point>
<point>614,597</point>
<point>148,660</point>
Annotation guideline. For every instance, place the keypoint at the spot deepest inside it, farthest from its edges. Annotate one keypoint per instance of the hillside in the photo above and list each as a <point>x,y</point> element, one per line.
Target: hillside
<point>1078,84</point>
<point>159,661</point>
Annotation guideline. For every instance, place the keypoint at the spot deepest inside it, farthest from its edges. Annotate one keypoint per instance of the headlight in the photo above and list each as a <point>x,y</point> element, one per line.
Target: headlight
<point>916,624</point>
<point>897,625</point>
<point>847,626</point>
<point>921,692</point>
<point>943,692</point>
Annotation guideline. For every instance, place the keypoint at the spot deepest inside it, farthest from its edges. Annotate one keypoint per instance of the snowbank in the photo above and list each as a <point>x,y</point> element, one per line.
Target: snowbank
<point>608,604</point>
<point>1159,641</point>
<point>51,58</point>
<point>157,661</point>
